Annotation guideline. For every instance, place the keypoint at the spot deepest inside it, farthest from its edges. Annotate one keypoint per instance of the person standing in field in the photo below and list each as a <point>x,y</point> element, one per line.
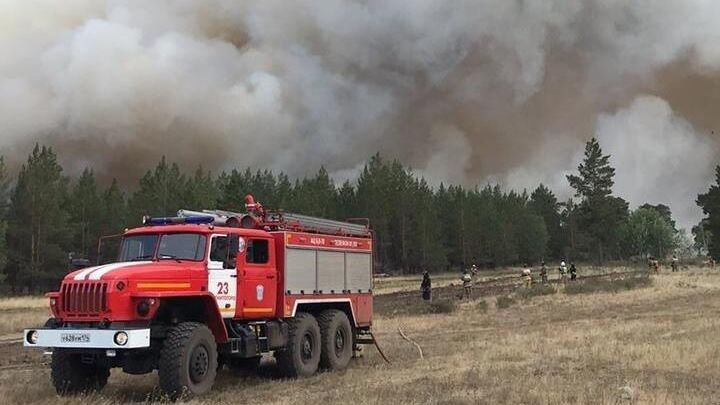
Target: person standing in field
<point>426,286</point>
<point>654,264</point>
<point>467,280</point>
<point>563,271</point>
<point>527,277</point>
<point>543,273</point>
<point>573,272</point>
<point>674,263</point>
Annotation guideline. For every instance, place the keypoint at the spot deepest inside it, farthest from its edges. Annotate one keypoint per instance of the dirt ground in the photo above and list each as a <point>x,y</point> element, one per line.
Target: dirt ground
<point>655,345</point>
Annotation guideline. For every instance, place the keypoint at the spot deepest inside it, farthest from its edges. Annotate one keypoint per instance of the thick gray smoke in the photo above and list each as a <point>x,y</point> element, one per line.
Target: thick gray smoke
<point>465,91</point>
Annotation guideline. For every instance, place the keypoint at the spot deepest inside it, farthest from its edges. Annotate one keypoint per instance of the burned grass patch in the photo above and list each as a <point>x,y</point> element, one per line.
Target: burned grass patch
<point>420,307</point>
<point>609,285</point>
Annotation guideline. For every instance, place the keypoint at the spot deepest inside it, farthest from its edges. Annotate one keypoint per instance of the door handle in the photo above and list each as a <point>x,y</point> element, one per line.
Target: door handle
<point>270,276</point>
<point>233,275</point>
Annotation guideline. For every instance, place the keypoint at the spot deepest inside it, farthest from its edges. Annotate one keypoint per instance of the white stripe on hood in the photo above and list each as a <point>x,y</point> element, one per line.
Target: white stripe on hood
<point>97,274</point>
<point>81,275</point>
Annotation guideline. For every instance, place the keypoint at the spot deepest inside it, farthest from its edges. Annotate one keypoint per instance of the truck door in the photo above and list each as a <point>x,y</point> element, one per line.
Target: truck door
<point>222,276</point>
<point>259,279</point>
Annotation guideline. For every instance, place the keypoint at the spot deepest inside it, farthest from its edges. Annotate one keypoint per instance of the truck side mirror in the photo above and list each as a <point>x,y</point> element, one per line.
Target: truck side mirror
<point>233,245</point>
<point>79,263</point>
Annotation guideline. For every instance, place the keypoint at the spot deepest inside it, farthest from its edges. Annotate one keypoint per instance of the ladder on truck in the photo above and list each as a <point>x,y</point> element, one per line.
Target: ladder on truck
<point>281,221</point>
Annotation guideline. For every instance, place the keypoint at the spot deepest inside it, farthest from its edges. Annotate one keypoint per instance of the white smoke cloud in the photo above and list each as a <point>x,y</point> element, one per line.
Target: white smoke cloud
<point>658,156</point>
<point>462,91</point>
<point>450,154</point>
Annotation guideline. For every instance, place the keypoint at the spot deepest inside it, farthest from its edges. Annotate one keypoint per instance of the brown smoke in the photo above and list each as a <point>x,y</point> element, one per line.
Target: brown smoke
<point>464,91</point>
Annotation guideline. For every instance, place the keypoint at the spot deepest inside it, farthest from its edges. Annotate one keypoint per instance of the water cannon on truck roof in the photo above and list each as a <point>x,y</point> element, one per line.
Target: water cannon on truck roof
<point>209,288</point>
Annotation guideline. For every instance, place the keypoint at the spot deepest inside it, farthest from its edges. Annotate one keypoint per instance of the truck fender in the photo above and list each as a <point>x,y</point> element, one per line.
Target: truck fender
<point>213,318</point>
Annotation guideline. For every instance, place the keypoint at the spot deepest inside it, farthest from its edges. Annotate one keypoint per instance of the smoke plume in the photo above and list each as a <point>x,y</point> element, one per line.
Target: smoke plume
<point>467,91</point>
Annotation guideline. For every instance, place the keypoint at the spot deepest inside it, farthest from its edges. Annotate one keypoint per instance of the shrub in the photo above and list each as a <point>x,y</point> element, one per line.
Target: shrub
<point>482,306</point>
<point>535,291</point>
<point>504,301</point>
<point>613,285</point>
<point>440,307</point>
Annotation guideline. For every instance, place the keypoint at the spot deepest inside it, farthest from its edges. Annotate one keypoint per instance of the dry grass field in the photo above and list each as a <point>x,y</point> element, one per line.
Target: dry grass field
<point>653,345</point>
<point>16,312</point>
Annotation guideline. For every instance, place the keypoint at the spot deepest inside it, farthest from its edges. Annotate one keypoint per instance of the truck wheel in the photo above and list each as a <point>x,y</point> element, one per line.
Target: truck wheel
<point>336,338</point>
<point>301,356</point>
<point>70,376</point>
<point>188,360</point>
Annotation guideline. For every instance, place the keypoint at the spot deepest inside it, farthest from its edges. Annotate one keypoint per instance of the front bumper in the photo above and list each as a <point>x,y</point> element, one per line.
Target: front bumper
<point>87,338</point>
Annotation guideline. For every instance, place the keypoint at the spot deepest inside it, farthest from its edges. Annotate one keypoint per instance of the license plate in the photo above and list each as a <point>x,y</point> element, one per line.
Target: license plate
<point>75,337</point>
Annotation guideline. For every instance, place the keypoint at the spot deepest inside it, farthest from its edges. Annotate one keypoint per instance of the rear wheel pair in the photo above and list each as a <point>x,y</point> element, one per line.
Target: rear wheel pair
<point>322,343</point>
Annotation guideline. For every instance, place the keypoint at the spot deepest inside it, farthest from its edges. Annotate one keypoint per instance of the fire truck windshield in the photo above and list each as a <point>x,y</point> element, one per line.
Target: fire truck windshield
<point>175,246</point>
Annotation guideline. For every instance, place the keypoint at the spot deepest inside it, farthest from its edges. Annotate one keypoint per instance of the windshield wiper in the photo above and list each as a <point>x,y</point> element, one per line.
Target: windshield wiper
<point>143,257</point>
<point>171,257</point>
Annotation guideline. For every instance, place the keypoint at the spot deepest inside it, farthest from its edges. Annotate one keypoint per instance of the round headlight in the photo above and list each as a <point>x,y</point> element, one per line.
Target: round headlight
<point>32,337</point>
<point>53,301</point>
<point>121,338</point>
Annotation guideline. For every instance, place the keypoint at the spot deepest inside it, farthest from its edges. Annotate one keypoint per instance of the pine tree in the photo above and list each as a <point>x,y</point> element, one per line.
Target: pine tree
<point>85,210</point>
<point>595,179</point>
<point>373,199</point>
<point>346,201</point>
<point>161,193</point>
<point>38,222</point>
<point>316,196</point>
<point>4,200</point>
<point>702,237</point>
<point>600,215</point>
<point>426,250</point>
<point>113,219</point>
<point>233,187</point>
<point>201,191</point>
<point>543,203</point>
<point>532,239</point>
<point>710,204</point>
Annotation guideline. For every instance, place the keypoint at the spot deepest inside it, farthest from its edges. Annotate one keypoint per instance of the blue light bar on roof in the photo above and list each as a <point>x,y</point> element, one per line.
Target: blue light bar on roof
<point>195,219</point>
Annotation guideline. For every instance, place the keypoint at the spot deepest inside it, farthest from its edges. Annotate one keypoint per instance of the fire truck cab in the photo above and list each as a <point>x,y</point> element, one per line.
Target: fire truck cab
<point>192,293</point>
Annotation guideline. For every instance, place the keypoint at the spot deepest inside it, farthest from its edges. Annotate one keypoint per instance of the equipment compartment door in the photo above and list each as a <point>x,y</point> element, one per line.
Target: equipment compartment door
<point>259,280</point>
<point>222,276</point>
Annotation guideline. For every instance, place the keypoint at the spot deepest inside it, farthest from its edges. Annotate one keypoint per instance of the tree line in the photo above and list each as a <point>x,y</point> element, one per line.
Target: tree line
<point>47,217</point>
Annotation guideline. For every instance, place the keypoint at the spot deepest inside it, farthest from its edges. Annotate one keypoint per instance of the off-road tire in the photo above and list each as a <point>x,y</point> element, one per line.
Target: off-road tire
<point>301,356</point>
<point>336,337</point>
<point>70,376</point>
<point>188,360</point>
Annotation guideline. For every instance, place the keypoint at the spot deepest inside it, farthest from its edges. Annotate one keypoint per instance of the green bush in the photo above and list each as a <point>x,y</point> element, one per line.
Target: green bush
<point>504,301</point>
<point>604,285</point>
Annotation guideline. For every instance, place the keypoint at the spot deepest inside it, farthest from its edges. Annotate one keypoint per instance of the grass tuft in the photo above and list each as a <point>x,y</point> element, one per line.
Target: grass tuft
<point>536,291</point>
<point>481,306</point>
<point>504,301</point>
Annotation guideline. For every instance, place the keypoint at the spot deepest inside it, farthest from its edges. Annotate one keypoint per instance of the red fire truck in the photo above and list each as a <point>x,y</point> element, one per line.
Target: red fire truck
<point>191,293</point>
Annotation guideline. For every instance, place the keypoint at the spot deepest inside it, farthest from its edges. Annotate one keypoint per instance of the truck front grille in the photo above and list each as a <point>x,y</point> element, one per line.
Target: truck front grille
<point>83,299</point>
